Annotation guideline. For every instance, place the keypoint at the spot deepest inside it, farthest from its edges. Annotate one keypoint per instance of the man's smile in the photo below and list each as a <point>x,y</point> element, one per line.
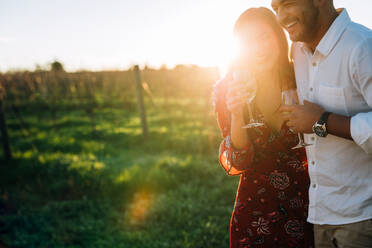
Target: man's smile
<point>290,26</point>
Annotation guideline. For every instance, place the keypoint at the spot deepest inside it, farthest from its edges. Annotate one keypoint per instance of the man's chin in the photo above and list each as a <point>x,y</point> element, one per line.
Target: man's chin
<point>295,37</point>
<point>299,36</point>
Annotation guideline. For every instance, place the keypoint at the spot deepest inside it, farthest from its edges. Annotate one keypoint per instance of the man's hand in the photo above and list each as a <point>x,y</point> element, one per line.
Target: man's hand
<point>301,118</point>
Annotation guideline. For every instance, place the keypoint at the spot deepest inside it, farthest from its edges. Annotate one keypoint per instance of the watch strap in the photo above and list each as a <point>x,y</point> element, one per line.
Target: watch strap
<point>324,117</point>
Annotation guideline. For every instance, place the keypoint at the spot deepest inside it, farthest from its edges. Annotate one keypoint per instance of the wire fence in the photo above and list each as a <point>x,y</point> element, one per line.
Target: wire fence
<point>53,91</point>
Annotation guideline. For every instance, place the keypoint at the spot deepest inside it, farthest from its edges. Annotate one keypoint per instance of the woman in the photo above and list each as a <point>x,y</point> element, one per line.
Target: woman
<point>272,198</point>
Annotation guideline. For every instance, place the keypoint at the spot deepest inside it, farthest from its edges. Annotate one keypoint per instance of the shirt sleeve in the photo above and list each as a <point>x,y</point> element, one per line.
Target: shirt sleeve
<point>361,123</point>
<point>233,161</point>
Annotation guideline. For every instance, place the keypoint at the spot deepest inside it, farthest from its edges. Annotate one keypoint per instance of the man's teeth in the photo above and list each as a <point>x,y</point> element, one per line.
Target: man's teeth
<point>289,25</point>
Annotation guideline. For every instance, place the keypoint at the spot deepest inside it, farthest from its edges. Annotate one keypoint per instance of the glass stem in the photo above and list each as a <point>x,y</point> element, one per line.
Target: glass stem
<point>300,138</point>
<point>251,119</point>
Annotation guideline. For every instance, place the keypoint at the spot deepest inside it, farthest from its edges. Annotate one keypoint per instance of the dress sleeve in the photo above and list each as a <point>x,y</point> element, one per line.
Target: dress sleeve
<point>234,161</point>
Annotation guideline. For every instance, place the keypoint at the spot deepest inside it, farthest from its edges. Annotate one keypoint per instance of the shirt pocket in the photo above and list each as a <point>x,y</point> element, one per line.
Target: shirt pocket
<point>332,99</point>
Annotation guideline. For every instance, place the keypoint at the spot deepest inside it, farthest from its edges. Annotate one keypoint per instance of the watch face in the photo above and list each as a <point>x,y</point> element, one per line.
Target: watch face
<point>320,130</point>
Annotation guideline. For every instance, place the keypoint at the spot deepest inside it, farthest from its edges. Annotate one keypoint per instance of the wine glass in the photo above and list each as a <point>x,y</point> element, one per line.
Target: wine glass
<point>247,77</point>
<point>290,98</point>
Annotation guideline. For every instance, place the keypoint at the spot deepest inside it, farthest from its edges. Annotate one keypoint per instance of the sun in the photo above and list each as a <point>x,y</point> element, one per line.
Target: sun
<point>200,41</point>
<point>230,48</point>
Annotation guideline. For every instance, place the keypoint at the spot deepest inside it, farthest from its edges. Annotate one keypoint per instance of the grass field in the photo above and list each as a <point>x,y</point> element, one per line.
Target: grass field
<point>68,187</point>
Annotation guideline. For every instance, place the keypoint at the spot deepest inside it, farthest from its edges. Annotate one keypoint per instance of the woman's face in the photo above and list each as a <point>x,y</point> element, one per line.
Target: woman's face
<point>259,46</point>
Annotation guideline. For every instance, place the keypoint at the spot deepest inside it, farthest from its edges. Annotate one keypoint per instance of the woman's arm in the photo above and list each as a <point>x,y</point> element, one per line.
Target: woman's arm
<point>239,135</point>
<point>236,152</point>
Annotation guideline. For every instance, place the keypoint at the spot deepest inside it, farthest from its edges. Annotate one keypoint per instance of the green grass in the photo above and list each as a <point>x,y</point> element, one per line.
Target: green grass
<point>113,188</point>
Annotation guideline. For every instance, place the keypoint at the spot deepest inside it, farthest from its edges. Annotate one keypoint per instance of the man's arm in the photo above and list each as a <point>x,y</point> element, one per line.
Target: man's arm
<point>339,125</point>
<point>358,127</point>
<point>361,69</point>
<point>301,118</point>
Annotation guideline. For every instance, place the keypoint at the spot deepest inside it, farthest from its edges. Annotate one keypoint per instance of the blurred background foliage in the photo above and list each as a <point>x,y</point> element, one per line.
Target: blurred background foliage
<point>82,175</point>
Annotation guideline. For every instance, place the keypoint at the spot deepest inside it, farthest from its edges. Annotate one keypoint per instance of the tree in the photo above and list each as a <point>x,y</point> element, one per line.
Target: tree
<point>56,66</point>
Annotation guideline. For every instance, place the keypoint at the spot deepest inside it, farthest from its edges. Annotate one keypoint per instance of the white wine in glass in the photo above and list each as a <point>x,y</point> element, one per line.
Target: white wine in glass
<point>290,98</point>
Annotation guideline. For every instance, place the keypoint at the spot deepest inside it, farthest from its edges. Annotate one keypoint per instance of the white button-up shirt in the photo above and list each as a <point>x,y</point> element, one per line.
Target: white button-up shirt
<point>338,76</point>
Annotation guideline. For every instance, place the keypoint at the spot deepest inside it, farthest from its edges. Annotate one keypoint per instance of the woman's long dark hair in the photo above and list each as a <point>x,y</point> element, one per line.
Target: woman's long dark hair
<point>264,15</point>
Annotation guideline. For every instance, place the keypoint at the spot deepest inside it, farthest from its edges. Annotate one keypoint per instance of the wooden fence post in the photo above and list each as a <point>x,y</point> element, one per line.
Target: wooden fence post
<point>4,130</point>
<point>140,101</point>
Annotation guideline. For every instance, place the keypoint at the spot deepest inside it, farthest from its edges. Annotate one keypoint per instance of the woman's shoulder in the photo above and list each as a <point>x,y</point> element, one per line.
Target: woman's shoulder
<point>223,82</point>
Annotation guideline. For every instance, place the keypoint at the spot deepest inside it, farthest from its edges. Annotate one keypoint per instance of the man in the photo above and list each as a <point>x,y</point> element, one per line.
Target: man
<point>333,67</point>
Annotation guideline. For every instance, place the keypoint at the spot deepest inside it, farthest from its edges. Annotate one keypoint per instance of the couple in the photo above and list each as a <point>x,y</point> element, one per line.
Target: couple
<point>321,196</point>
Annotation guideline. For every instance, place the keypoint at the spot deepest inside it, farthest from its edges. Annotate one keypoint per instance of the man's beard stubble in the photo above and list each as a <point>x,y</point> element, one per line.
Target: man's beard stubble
<point>311,25</point>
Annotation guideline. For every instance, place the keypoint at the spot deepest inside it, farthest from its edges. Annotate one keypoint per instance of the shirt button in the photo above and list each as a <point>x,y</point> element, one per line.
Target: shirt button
<point>312,138</point>
<point>312,162</point>
<point>314,185</point>
<point>311,89</point>
<point>314,63</point>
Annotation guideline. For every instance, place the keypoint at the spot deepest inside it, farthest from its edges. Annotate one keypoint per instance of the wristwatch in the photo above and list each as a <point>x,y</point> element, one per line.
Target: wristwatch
<point>320,127</point>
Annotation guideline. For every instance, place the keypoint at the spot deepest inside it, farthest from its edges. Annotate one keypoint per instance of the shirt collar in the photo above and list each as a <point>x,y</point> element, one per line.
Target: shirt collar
<point>333,34</point>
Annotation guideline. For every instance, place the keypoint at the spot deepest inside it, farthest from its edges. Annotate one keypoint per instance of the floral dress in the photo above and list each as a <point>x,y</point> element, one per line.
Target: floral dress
<point>272,199</point>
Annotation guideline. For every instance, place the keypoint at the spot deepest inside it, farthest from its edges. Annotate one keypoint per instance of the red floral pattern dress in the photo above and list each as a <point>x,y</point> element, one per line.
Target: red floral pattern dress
<point>272,199</point>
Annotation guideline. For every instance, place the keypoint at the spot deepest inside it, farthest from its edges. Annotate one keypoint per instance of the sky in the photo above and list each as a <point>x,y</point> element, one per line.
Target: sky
<point>115,34</point>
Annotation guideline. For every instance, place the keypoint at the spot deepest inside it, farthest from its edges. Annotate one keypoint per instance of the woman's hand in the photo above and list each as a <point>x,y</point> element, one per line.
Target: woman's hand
<point>237,95</point>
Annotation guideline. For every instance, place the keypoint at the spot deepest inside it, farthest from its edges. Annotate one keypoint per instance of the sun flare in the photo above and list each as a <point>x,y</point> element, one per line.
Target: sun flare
<point>140,206</point>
